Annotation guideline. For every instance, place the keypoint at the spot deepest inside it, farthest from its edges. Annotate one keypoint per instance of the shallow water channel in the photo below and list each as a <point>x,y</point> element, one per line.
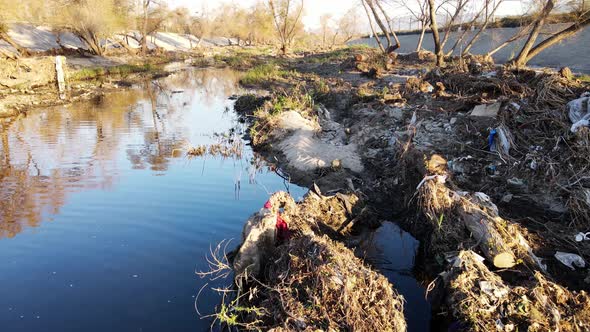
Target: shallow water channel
<point>104,220</point>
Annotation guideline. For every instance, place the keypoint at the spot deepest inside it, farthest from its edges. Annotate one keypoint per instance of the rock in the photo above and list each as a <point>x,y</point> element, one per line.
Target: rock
<point>486,110</point>
<point>336,164</point>
<point>394,112</point>
<point>453,121</point>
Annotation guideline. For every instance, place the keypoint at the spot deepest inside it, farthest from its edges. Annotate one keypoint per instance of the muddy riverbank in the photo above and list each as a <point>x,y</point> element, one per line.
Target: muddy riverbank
<point>477,162</point>
<point>30,82</point>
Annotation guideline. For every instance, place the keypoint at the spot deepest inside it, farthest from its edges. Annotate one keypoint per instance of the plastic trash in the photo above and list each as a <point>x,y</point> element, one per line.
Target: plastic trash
<point>582,237</point>
<point>491,139</point>
<point>503,143</point>
<point>579,112</point>
<point>570,260</point>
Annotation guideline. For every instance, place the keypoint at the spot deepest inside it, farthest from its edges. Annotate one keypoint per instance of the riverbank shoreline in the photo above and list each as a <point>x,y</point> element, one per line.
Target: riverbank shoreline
<point>422,135</point>
<point>30,82</point>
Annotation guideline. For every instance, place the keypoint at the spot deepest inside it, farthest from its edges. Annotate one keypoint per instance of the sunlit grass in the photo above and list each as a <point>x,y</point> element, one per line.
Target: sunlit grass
<point>262,74</point>
<point>90,73</point>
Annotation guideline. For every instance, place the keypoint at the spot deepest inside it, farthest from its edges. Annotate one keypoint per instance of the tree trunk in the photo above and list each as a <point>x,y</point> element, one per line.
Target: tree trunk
<point>515,37</point>
<point>8,55</point>
<point>421,39</point>
<point>460,6</point>
<point>373,27</point>
<point>391,30</point>
<point>440,61</point>
<point>6,37</point>
<point>90,41</point>
<point>123,42</point>
<point>490,242</point>
<point>144,28</point>
<point>379,22</point>
<point>521,59</point>
<point>563,34</point>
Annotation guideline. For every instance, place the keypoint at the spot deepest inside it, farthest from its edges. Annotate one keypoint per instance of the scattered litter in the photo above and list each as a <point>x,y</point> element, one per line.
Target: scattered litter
<point>504,141</point>
<point>533,165</point>
<point>488,288</point>
<point>515,182</point>
<point>582,237</point>
<point>579,112</point>
<point>490,74</point>
<point>491,139</point>
<point>500,140</point>
<point>569,260</point>
<point>507,198</point>
<point>486,110</point>
<point>455,260</point>
<point>437,178</point>
<point>514,106</point>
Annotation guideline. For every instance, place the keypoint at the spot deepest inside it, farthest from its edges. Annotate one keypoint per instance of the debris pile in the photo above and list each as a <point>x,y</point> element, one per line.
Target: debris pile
<point>311,282</point>
<point>482,301</point>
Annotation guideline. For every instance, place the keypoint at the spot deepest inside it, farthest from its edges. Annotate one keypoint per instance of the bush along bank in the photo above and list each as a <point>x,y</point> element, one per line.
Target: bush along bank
<point>480,163</point>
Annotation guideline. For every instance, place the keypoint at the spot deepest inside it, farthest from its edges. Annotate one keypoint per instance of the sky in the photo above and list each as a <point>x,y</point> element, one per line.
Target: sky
<point>314,9</point>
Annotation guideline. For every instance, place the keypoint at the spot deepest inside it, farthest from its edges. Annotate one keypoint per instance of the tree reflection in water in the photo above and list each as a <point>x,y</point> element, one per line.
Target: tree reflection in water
<point>51,153</point>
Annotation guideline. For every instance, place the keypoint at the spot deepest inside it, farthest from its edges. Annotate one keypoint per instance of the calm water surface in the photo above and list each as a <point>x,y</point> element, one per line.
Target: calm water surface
<point>104,220</point>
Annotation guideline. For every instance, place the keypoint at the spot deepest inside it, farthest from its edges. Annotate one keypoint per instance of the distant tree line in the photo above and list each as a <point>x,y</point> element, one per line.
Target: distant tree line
<point>477,16</point>
<point>102,23</point>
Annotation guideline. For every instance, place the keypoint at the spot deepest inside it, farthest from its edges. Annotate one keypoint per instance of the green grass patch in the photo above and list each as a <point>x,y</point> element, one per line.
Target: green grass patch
<point>584,78</point>
<point>262,74</point>
<point>95,72</point>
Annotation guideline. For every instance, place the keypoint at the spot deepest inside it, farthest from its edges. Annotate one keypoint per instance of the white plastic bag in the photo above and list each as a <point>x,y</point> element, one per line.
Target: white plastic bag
<point>579,111</point>
<point>570,260</point>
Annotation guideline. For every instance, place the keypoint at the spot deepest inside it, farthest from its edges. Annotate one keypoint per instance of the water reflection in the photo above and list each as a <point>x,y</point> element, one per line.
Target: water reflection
<point>52,153</point>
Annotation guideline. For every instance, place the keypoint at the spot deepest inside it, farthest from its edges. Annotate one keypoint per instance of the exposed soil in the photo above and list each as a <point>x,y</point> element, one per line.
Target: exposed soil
<point>510,186</point>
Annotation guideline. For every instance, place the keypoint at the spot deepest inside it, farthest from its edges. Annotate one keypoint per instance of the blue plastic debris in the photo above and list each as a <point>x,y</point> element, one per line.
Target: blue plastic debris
<point>491,137</point>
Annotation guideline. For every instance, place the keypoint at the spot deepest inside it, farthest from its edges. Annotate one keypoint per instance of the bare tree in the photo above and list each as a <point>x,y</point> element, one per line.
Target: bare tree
<point>377,10</point>
<point>369,17</point>
<point>420,14</point>
<point>482,28</point>
<point>93,21</point>
<point>287,18</point>
<point>454,9</point>
<point>581,20</point>
<point>153,16</point>
<point>440,60</point>
<point>348,25</point>
<point>9,9</point>
<point>471,24</point>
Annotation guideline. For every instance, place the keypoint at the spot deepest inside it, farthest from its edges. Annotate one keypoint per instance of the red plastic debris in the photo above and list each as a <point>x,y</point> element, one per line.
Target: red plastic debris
<point>283,233</point>
<point>267,205</point>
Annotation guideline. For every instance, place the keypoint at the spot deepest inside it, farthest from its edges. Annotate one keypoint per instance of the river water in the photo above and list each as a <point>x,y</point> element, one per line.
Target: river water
<point>104,220</point>
<point>573,52</point>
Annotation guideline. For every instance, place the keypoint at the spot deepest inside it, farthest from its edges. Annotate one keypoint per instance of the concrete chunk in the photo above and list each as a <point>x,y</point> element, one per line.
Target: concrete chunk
<point>486,110</point>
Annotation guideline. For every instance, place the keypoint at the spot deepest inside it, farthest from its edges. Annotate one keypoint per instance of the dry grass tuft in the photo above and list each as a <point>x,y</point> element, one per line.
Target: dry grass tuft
<point>317,283</point>
<point>482,301</point>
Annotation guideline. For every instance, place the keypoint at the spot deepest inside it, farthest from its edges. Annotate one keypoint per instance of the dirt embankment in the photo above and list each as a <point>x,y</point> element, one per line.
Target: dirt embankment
<point>29,82</point>
<point>478,162</point>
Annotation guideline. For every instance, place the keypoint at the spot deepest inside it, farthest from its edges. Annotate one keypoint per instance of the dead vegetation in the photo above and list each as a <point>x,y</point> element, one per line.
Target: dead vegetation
<point>482,301</point>
<point>510,184</point>
<point>311,281</point>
